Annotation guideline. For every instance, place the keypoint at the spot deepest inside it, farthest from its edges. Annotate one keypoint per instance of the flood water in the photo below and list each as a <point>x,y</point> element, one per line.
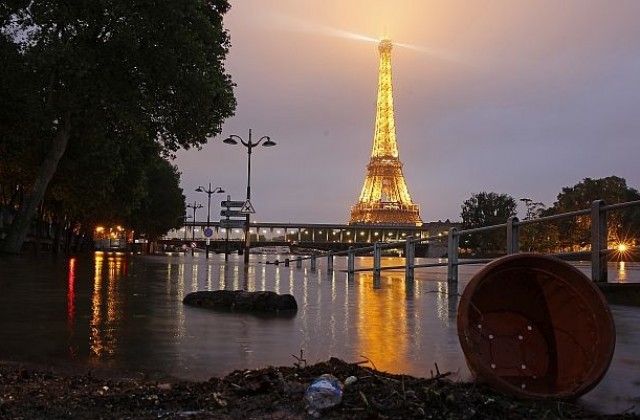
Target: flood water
<point>122,312</point>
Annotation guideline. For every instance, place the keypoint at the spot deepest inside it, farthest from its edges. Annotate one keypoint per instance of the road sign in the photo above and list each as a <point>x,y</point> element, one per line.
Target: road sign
<point>232,213</point>
<point>247,208</point>
<point>232,223</point>
<point>208,232</point>
<point>229,203</point>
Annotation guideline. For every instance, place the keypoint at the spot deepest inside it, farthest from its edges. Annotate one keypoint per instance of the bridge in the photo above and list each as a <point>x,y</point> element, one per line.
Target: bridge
<point>318,236</point>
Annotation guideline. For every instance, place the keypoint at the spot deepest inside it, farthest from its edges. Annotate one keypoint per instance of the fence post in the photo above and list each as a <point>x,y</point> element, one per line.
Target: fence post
<point>598,242</point>
<point>286,262</point>
<point>410,255</point>
<point>313,262</point>
<point>513,235</point>
<point>452,256</point>
<point>299,263</point>
<point>330,261</point>
<point>351,263</point>
<point>377,253</point>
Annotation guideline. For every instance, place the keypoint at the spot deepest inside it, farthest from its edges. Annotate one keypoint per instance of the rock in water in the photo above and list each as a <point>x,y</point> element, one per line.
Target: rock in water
<point>241,300</point>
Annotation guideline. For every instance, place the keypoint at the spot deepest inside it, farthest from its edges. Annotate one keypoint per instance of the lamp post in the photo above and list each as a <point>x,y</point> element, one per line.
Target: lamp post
<point>249,144</point>
<point>195,206</point>
<point>208,191</point>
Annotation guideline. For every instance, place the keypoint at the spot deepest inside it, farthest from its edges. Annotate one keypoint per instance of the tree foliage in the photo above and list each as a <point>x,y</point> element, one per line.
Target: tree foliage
<point>104,78</point>
<point>487,209</point>
<point>622,224</point>
<point>163,204</point>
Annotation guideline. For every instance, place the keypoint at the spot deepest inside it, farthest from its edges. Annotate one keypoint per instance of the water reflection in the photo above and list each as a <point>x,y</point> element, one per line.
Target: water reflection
<point>106,303</point>
<point>126,312</point>
<point>71,304</point>
<point>622,272</point>
<point>381,321</point>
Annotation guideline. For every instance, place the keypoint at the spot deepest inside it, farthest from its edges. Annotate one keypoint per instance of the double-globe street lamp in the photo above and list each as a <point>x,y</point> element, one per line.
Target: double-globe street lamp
<point>249,144</point>
<point>195,206</point>
<point>208,191</point>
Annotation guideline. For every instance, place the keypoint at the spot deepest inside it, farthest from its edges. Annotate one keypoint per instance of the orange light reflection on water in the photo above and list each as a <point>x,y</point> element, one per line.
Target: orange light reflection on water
<point>105,303</point>
<point>382,328</point>
<point>622,272</point>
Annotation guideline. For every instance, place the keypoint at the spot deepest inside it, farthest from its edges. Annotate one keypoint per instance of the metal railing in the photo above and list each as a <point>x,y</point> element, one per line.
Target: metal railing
<point>597,212</point>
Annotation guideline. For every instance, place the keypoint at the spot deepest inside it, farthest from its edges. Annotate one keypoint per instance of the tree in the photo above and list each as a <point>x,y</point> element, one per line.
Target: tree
<point>487,209</point>
<point>622,224</point>
<point>163,205</point>
<point>538,236</point>
<point>121,70</point>
<point>110,195</point>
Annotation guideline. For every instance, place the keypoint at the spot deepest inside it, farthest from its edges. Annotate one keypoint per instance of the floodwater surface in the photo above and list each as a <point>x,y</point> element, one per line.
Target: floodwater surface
<point>123,312</point>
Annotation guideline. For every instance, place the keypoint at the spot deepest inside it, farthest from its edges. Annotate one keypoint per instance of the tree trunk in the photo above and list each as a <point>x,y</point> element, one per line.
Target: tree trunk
<point>20,226</point>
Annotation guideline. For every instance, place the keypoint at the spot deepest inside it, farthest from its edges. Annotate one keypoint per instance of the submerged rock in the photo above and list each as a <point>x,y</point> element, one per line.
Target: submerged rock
<point>242,300</point>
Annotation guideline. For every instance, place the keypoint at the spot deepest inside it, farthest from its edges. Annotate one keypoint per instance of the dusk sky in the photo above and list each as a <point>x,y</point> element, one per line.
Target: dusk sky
<point>514,97</point>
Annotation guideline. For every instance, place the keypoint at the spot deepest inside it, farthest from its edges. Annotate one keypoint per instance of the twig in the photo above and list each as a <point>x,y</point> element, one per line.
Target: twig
<point>368,360</point>
<point>301,360</point>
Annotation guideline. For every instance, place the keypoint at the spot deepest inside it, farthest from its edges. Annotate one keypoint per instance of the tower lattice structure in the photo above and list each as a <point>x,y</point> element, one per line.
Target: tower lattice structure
<point>385,198</point>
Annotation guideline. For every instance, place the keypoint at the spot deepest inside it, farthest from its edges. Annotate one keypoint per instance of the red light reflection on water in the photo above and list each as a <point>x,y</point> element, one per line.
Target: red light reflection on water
<point>71,302</point>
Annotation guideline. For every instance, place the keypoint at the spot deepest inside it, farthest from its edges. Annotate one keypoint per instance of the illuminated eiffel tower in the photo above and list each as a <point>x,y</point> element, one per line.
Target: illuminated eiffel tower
<point>385,198</point>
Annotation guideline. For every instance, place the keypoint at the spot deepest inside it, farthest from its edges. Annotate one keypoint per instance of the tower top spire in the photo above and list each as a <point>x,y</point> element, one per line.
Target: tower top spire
<point>385,45</point>
<point>384,141</point>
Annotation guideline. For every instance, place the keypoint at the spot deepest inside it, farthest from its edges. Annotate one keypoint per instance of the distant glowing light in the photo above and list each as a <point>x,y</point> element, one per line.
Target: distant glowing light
<point>622,247</point>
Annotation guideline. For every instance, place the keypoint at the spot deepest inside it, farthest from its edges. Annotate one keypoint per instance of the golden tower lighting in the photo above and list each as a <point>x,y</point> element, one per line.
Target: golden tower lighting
<point>385,198</point>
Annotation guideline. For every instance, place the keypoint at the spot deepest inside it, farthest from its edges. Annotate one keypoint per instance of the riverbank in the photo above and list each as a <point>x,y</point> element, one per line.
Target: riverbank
<point>270,393</point>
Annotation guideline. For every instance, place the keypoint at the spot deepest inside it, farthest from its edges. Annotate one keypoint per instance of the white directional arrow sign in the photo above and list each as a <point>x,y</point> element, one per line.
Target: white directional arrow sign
<point>229,203</point>
<point>232,213</point>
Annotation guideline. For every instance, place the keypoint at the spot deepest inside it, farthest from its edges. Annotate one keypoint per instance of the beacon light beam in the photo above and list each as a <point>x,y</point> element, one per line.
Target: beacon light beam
<point>298,25</point>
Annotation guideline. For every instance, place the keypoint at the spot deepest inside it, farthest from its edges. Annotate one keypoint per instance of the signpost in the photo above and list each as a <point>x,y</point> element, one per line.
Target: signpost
<point>231,209</point>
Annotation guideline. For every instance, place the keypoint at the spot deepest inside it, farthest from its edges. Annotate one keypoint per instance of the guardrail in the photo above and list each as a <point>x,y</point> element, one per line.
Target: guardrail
<point>597,212</point>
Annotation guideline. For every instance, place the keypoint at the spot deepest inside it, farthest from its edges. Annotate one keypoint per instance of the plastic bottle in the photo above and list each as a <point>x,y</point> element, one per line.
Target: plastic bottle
<point>324,392</point>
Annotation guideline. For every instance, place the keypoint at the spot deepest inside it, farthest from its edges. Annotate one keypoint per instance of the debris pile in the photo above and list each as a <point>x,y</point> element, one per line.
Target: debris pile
<point>269,393</point>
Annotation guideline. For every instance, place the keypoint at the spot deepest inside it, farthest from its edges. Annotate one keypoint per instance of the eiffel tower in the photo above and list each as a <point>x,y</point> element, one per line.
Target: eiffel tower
<point>385,198</point>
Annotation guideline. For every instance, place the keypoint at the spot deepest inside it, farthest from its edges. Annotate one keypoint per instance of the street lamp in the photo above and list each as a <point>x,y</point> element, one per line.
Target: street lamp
<point>208,192</point>
<point>195,206</point>
<point>233,139</point>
